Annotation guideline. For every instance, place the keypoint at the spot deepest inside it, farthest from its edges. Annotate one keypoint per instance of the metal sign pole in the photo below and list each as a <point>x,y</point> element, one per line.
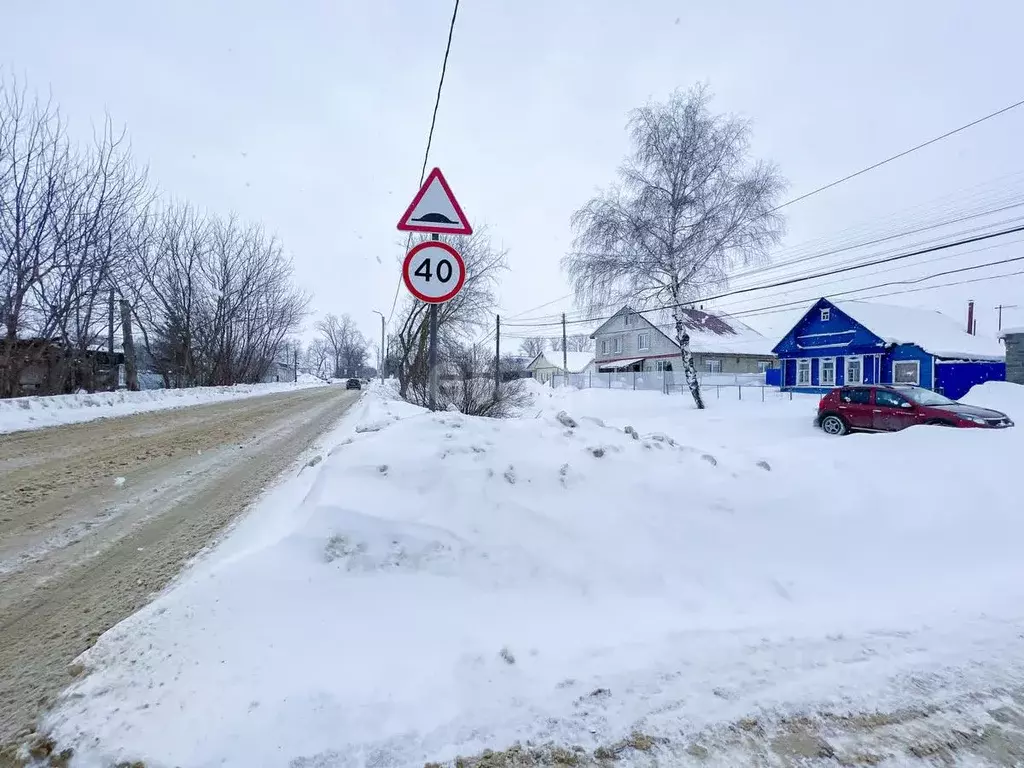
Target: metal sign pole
<point>432,350</point>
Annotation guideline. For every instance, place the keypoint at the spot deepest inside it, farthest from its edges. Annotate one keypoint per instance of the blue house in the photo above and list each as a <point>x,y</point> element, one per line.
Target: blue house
<point>857,342</point>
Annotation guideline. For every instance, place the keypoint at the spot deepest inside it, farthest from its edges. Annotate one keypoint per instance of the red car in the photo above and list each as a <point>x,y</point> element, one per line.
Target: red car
<point>888,408</point>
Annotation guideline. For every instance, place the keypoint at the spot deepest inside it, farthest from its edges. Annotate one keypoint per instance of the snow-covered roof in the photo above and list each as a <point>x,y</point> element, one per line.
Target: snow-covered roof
<point>577,361</point>
<point>1011,331</point>
<point>932,331</point>
<point>715,332</point>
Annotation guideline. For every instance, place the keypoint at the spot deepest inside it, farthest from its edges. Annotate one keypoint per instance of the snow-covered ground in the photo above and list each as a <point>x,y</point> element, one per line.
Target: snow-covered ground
<point>439,585</point>
<point>23,413</point>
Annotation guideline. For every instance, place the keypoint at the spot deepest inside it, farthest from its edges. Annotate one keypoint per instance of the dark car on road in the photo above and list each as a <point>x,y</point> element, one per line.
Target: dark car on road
<point>889,408</point>
<point>353,384</point>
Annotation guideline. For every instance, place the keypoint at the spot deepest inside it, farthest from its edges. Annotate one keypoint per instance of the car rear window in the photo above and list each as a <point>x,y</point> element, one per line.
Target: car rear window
<point>856,396</point>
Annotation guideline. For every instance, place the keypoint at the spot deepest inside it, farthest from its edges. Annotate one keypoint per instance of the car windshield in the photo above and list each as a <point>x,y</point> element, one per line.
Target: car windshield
<point>923,396</point>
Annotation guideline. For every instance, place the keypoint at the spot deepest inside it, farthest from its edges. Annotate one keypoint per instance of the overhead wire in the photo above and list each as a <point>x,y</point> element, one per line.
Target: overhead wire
<point>430,137</point>
<point>898,155</point>
<point>884,260</point>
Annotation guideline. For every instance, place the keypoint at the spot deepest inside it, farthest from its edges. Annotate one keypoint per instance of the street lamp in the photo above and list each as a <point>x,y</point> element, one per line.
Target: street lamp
<point>380,351</point>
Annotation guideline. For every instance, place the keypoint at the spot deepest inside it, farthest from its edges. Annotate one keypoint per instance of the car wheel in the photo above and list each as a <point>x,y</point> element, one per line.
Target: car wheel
<point>834,425</point>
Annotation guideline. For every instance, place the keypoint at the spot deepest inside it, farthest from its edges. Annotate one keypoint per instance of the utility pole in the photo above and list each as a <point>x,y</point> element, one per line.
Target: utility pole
<point>110,337</point>
<point>1000,308</point>
<point>565,354</point>
<point>131,373</point>
<point>295,364</point>
<point>497,352</point>
<point>432,352</point>
<point>381,356</point>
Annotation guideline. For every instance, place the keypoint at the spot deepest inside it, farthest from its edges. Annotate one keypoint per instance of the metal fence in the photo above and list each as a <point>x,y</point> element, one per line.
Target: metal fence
<point>714,385</point>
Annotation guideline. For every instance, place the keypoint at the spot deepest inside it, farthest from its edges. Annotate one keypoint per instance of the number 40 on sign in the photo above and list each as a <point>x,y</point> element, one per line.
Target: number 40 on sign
<point>434,272</point>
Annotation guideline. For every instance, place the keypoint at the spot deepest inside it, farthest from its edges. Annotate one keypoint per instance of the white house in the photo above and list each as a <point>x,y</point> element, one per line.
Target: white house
<point>548,364</point>
<point>629,341</point>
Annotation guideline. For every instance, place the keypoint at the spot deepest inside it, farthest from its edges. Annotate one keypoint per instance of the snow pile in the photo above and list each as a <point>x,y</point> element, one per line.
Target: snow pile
<point>22,413</point>
<point>1001,395</point>
<point>439,585</point>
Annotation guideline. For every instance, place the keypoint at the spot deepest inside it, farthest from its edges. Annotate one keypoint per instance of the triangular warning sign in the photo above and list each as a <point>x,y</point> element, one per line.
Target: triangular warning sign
<point>435,209</point>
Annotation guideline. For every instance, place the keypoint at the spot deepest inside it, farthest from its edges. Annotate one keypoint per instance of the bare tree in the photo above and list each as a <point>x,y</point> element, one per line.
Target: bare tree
<point>690,205</point>
<point>318,353</point>
<point>212,298</point>
<point>468,388</point>
<point>577,342</point>
<point>346,346</point>
<point>533,346</point>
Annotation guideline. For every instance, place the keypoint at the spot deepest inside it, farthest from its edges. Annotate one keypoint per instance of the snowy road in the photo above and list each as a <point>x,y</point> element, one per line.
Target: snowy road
<point>96,517</point>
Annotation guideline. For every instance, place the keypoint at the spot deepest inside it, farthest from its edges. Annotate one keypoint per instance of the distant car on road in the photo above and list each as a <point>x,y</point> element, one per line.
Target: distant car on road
<point>353,384</point>
<point>890,408</point>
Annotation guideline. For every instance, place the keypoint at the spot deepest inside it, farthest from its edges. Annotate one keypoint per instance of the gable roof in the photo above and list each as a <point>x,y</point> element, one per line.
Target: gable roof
<point>577,361</point>
<point>711,331</point>
<point>935,333</point>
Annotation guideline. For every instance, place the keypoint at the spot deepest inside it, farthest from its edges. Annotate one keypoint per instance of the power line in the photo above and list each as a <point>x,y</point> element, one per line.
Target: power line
<point>430,137</point>
<point>897,156</point>
<point>759,312</point>
<point>1003,206</point>
<point>780,283</point>
<point>832,294</point>
<point>895,268</point>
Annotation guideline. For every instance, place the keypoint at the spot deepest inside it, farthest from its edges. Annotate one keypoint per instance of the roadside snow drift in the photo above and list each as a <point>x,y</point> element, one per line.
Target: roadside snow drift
<point>22,413</point>
<point>439,585</point>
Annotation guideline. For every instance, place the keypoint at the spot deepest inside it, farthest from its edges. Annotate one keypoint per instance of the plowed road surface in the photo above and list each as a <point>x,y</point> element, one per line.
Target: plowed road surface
<point>97,517</point>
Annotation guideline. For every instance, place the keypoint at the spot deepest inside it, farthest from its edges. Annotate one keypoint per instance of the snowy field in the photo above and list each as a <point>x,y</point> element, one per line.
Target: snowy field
<point>440,585</point>
<point>23,413</point>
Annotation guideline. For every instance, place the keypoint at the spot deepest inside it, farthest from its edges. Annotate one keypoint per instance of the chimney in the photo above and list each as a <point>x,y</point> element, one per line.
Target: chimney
<point>970,317</point>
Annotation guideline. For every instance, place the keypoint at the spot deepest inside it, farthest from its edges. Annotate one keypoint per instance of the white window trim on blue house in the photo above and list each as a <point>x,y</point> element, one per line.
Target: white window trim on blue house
<point>825,313</point>
<point>917,371</point>
<point>848,379</point>
<point>801,364</point>
<point>821,371</point>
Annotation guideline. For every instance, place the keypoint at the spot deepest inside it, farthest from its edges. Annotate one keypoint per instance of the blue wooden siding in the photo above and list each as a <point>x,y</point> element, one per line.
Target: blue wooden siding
<point>954,379</point>
<point>839,335</point>
<point>909,352</point>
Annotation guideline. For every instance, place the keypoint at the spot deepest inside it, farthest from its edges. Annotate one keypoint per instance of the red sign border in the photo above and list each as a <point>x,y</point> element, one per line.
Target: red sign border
<point>403,226</point>
<point>444,247</point>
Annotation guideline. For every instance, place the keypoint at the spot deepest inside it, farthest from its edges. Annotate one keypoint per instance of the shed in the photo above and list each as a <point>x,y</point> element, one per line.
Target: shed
<point>859,342</point>
<point>548,364</point>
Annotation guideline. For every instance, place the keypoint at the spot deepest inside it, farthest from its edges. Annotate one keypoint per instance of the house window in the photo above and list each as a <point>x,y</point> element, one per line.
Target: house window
<point>627,319</point>
<point>906,372</point>
<point>827,371</point>
<point>643,341</point>
<point>825,314</point>
<point>604,346</point>
<point>714,366</point>
<point>803,373</point>
<point>663,365</point>
<point>855,370</point>
<point>763,366</point>
<point>618,344</point>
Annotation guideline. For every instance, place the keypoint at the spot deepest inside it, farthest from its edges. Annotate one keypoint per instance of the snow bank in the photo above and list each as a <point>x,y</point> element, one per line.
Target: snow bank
<point>23,413</point>
<point>439,585</point>
<point>1002,395</point>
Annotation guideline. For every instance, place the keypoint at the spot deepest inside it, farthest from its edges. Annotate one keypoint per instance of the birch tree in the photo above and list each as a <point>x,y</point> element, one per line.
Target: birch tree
<point>690,205</point>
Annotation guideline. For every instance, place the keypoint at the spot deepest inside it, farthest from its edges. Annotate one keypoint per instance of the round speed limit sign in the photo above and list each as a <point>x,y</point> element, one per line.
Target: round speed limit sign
<point>434,272</point>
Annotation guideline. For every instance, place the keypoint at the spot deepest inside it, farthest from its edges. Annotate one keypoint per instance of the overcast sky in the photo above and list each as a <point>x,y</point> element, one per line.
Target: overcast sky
<point>311,117</point>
